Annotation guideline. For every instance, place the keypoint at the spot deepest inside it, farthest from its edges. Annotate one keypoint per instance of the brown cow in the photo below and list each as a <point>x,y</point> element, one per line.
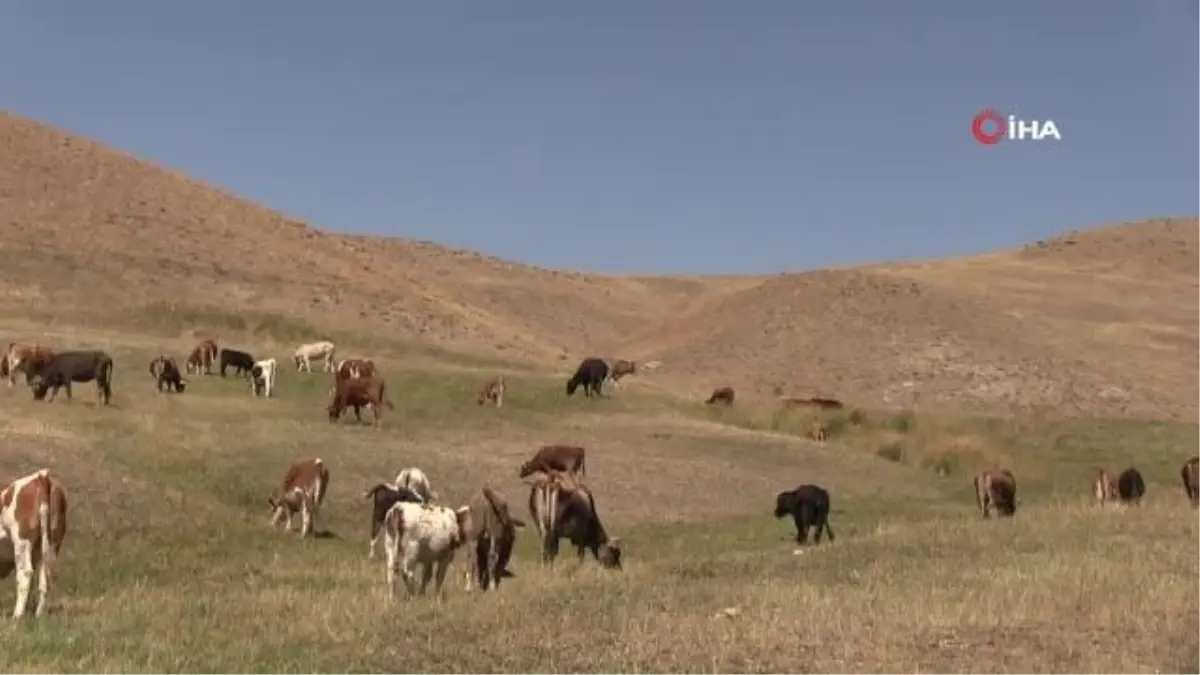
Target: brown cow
<point>33,518</point>
<point>357,392</point>
<point>996,488</point>
<point>563,507</point>
<point>203,356</point>
<point>816,432</point>
<point>27,357</point>
<point>566,458</point>
<point>1104,488</point>
<point>491,533</point>
<point>1190,473</point>
<point>303,489</point>
<point>724,395</point>
<point>620,368</point>
<point>355,367</point>
<point>493,392</point>
<point>816,402</point>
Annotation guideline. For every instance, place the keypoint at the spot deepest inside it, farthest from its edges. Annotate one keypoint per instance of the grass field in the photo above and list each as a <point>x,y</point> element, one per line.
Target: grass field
<point>170,564</point>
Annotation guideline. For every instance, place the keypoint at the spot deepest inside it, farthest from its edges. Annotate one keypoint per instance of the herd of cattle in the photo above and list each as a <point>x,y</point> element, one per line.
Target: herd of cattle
<point>420,535</point>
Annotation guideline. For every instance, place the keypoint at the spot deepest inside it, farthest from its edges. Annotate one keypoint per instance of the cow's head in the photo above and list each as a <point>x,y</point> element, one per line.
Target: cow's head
<point>609,554</point>
<point>783,504</point>
<point>526,468</point>
<point>40,385</point>
<point>572,385</point>
<point>462,518</point>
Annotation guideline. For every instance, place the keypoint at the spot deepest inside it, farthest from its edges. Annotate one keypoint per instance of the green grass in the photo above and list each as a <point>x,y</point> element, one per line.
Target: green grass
<point>170,564</point>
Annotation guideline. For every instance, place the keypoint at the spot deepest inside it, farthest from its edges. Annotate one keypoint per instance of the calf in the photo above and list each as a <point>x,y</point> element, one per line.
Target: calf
<point>203,356</point>
<point>356,393</point>
<point>1130,487</point>
<point>492,392</point>
<point>1190,474</point>
<point>591,374</point>
<point>1104,488</point>
<point>996,488</point>
<point>619,369</point>
<point>322,349</point>
<point>817,433</point>
<point>166,375</point>
<point>351,368</point>
<point>567,458</point>
<point>26,357</point>
<point>563,507</point>
<point>242,362</point>
<point>262,377</point>
<point>724,396</point>
<point>809,507</point>
<point>491,534</point>
<point>68,367</point>
<point>382,498</point>
<point>415,479</point>
<point>33,518</point>
<point>424,536</point>
<point>303,489</point>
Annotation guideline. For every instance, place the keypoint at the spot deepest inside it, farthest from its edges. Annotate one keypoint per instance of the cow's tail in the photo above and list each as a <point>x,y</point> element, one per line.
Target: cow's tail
<point>108,369</point>
<point>44,518</point>
<point>502,514</point>
<point>387,400</point>
<point>370,494</point>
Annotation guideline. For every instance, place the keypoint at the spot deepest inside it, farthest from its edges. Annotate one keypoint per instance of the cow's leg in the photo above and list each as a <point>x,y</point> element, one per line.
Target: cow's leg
<point>426,576</point>
<point>375,531</point>
<point>43,585</point>
<point>391,551</point>
<point>23,556</point>
<point>358,413</point>
<point>443,566</point>
<point>305,517</point>
<point>493,565</point>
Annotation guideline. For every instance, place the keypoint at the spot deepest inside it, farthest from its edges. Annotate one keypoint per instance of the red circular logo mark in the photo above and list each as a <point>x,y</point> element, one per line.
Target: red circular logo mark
<point>980,127</point>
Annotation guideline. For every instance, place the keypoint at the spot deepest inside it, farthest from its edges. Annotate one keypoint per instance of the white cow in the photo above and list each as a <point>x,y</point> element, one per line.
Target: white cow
<point>415,479</point>
<point>33,517</point>
<point>424,536</point>
<point>323,349</point>
<point>262,377</point>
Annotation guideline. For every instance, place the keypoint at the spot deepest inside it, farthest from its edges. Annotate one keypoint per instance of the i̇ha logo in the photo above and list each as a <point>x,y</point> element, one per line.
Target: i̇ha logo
<point>990,127</point>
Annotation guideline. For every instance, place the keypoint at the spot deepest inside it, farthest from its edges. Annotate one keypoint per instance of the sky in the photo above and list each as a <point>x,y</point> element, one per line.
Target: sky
<point>636,136</point>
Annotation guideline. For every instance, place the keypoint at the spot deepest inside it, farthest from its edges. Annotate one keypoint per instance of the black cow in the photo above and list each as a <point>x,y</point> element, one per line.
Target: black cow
<point>1130,486</point>
<point>166,375</point>
<point>242,361</point>
<point>68,367</point>
<point>383,497</point>
<point>591,373</point>
<point>809,506</point>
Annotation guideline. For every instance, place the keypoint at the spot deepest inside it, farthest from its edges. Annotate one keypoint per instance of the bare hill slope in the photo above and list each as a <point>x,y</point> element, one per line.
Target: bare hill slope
<point>1103,321</point>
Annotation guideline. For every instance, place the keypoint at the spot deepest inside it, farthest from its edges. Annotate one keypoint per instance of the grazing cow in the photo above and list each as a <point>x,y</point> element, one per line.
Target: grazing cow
<point>68,367</point>
<point>323,349</point>
<point>996,488</point>
<point>425,536</point>
<point>415,479</point>
<point>809,507</point>
<point>356,393</point>
<point>352,368</point>
<point>491,533</point>
<point>620,368</point>
<point>166,375</point>
<point>493,392</point>
<point>262,377</point>
<point>204,355</point>
<point>303,489</point>
<point>382,498</point>
<point>566,458</point>
<point>591,373</point>
<point>33,517</point>
<point>1130,487</point>
<point>26,357</point>
<point>817,433</point>
<point>239,360</point>
<point>1190,474</point>
<point>1104,488</point>
<point>563,507</point>
<point>724,396</point>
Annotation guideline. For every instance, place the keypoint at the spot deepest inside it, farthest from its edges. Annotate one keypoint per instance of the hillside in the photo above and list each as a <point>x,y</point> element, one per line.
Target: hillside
<point>1101,322</point>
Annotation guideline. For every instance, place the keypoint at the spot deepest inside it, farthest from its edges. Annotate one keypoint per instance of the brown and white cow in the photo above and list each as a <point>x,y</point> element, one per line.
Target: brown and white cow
<point>491,533</point>
<point>323,349</point>
<point>567,458</point>
<point>421,536</point>
<point>996,489</point>
<point>1190,473</point>
<point>357,393</point>
<point>26,357</point>
<point>1104,488</point>
<point>166,374</point>
<point>33,518</point>
<point>493,392</point>
<point>562,507</point>
<point>354,367</point>
<point>817,433</point>
<point>204,355</point>
<point>723,395</point>
<point>303,489</point>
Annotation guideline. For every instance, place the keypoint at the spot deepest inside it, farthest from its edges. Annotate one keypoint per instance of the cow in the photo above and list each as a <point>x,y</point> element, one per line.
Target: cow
<point>415,479</point>
<point>491,534</point>
<point>352,368</point>
<point>1104,488</point>
<point>203,355</point>
<point>567,458</point>
<point>33,518</point>
<point>242,362</point>
<point>996,488</point>
<point>817,433</point>
<point>262,377</point>
<point>809,507</point>
<point>166,375</point>
<point>563,507</point>
<point>1130,487</point>
<point>492,392</point>
<point>421,536</point>
<point>26,357</point>
<point>816,402</point>
<point>322,349</point>
<point>356,393</point>
<point>723,395</point>
<point>619,369</point>
<point>591,374</point>
<point>1190,474</point>
<point>382,498</point>
<point>74,366</point>
<point>303,489</point>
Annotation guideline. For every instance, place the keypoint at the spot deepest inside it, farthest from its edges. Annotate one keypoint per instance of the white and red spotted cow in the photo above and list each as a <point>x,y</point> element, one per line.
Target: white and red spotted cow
<point>323,349</point>
<point>33,517</point>
<point>422,536</point>
<point>303,489</point>
<point>262,377</point>
<point>415,479</point>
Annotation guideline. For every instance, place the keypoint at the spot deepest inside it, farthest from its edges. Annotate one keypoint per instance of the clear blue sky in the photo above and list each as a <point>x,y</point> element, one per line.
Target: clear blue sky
<point>639,135</point>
